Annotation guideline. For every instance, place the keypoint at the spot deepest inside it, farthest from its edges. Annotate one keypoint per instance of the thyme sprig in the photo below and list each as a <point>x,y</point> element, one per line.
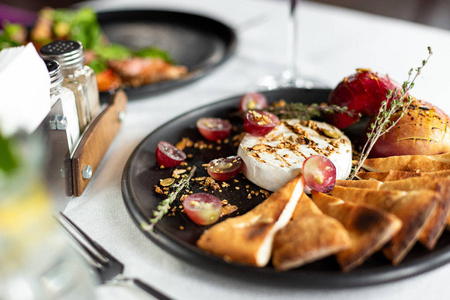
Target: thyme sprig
<point>395,102</point>
<point>164,206</point>
<point>307,112</point>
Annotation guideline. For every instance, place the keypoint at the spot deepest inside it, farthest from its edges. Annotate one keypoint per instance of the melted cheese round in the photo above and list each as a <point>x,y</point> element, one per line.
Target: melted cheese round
<point>276,158</point>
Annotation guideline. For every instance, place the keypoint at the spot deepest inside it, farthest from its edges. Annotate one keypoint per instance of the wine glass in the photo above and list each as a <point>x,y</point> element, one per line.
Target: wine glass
<point>289,77</point>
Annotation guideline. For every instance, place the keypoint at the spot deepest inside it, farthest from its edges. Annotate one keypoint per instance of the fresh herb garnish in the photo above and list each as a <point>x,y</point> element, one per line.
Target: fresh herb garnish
<point>152,52</point>
<point>98,65</point>
<point>307,112</point>
<point>164,206</point>
<point>395,102</point>
<point>113,52</point>
<point>84,26</point>
<point>12,35</point>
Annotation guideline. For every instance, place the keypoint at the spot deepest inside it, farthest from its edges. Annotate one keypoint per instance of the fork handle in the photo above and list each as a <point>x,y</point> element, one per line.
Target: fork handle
<point>152,291</point>
<point>120,279</point>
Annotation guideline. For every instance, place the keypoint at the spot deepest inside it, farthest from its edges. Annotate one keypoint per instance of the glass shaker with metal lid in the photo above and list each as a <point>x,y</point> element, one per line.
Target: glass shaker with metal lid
<point>68,103</point>
<point>77,77</point>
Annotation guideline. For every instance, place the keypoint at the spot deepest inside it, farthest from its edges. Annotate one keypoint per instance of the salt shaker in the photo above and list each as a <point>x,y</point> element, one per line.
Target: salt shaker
<point>78,77</point>
<point>58,92</point>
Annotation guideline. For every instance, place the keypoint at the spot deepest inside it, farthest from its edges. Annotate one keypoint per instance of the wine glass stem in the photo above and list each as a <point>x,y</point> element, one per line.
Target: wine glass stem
<point>290,74</point>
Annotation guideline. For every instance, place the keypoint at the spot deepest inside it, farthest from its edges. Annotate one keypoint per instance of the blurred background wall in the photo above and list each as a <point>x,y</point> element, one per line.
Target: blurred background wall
<point>430,12</point>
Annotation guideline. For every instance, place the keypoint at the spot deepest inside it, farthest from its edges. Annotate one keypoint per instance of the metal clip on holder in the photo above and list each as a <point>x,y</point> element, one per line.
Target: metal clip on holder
<point>68,173</point>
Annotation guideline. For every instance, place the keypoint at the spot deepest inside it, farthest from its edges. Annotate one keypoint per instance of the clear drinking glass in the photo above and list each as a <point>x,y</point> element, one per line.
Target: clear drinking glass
<point>290,76</point>
<point>36,262</point>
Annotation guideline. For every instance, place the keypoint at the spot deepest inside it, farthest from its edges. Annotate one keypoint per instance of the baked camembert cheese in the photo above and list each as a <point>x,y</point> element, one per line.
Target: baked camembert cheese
<point>277,157</point>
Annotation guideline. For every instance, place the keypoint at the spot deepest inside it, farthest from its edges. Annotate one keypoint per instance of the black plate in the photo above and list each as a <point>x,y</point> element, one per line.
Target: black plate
<point>141,174</point>
<point>197,42</point>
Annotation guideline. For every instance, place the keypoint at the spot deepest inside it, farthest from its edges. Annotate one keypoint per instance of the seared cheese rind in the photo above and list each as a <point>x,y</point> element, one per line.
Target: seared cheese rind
<point>276,158</point>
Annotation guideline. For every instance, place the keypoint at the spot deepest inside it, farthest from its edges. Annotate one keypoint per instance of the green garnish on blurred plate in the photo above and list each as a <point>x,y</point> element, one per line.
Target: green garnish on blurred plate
<point>81,25</point>
<point>8,161</point>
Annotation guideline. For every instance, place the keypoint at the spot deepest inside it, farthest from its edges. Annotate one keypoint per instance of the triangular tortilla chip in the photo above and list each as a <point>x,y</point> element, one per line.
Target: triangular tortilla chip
<point>411,163</point>
<point>309,236</point>
<point>413,208</point>
<point>397,175</point>
<point>370,228</point>
<point>247,239</point>
<point>436,224</point>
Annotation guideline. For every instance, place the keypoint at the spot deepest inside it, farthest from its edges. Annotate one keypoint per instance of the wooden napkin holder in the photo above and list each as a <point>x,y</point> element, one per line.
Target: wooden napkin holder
<point>70,175</point>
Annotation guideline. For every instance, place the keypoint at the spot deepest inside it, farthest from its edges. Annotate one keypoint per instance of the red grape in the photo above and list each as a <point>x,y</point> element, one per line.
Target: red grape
<point>224,168</point>
<point>202,208</point>
<point>252,101</point>
<point>319,173</point>
<point>168,155</point>
<point>259,123</point>
<point>214,129</point>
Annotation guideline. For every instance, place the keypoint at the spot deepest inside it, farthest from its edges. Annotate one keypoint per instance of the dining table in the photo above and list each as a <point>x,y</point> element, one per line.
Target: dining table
<point>332,43</point>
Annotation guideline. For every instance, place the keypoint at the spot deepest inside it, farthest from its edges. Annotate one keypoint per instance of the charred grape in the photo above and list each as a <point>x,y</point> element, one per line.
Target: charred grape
<point>225,168</point>
<point>214,129</point>
<point>252,101</point>
<point>260,122</point>
<point>168,155</point>
<point>202,208</point>
<point>319,173</point>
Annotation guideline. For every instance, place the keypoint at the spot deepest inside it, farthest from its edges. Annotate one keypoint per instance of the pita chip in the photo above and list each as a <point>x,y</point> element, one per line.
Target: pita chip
<point>309,236</point>
<point>369,228</point>
<point>392,175</point>
<point>413,208</point>
<point>247,239</point>
<point>410,163</point>
<point>440,216</point>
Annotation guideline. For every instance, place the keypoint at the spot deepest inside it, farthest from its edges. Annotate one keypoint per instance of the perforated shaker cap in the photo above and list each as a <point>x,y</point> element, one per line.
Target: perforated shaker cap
<point>54,70</point>
<point>66,53</point>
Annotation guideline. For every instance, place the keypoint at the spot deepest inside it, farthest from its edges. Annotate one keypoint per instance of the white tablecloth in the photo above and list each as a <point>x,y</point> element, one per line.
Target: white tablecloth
<point>332,42</point>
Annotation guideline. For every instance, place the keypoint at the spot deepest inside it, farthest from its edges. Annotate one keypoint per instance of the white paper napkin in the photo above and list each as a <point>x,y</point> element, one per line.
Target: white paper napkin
<point>24,89</point>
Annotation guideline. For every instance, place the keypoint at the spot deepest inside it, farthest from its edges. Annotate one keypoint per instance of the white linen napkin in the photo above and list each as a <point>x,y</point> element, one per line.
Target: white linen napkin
<point>24,89</point>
